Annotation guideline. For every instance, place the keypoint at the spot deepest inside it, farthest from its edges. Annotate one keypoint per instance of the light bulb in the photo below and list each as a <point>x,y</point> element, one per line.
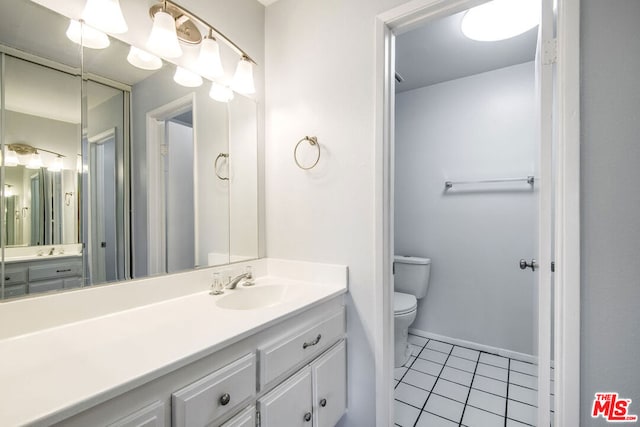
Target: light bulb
<point>8,192</point>
<point>500,19</point>
<point>105,15</point>
<point>11,158</point>
<point>86,36</point>
<point>143,60</point>
<point>209,64</point>
<point>56,165</point>
<point>243,78</point>
<point>35,161</point>
<point>163,40</point>
<point>220,93</point>
<point>187,78</point>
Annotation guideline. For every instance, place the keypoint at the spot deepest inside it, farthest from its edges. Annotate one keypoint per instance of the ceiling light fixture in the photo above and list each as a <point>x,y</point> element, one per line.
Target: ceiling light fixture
<point>82,34</point>
<point>220,93</point>
<point>105,15</point>
<point>500,19</point>
<point>187,78</point>
<point>143,59</point>
<point>180,24</point>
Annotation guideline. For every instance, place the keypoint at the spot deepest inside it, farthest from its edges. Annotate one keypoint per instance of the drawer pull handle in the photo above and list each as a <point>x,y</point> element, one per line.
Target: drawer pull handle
<point>7,278</point>
<point>66,270</point>
<point>323,402</point>
<point>312,343</point>
<point>224,399</point>
<point>307,416</point>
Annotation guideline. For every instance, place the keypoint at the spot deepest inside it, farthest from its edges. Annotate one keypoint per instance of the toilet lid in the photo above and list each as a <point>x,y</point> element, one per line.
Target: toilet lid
<point>403,303</point>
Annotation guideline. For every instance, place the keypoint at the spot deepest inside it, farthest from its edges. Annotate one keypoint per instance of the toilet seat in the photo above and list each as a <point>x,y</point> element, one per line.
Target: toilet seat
<point>404,303</point>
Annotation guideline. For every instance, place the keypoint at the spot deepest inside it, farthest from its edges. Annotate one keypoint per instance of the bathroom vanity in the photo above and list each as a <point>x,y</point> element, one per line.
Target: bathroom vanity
<point>190,360</point>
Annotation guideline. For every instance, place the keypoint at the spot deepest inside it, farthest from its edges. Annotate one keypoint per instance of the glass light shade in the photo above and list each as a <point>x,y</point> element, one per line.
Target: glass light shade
<point>56,165</point>
<point>35,162</point>
<point>209,63</point>
<point>163,40</point>
<point>86,36</point>
<point>187,78</point>
<point>143,60</point>
<point>11,159</point>
<point>105,15</point>
<point>8,191</point>
<point>220,93</point>
<point>500,19</point>
<point>243,78</point>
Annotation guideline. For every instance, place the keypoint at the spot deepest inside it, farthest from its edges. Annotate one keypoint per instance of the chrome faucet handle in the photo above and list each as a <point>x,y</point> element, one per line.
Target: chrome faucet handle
<point>248,274</point>
<point>216,286</point>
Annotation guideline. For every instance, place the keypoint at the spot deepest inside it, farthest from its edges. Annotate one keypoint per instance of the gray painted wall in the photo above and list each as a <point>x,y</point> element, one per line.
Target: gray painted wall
<point>610,205</point>
<point>478,127</point>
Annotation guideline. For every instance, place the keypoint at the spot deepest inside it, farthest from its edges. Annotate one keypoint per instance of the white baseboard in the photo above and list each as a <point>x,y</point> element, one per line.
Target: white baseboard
<point>480,347</point>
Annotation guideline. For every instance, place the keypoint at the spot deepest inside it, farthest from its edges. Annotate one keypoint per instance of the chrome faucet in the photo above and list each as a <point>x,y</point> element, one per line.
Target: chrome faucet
<point>247,276</point>
<point>51,251</point>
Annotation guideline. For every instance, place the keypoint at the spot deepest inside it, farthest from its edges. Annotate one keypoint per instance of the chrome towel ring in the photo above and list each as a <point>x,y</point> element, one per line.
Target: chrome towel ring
<point>313,141</point>
<point>215,166</point>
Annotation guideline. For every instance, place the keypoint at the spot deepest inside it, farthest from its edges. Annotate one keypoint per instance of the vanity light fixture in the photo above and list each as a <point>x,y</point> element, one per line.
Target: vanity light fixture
<point>209,63</point>
<point>163,40</point>
<point>187,78</point>
<point>243,78</point>
<point>105,15</point>
<point>35,160</point>
<point>8,192</point>
<point>143,59</point>
<point>11,158</point>
<point>500,19</point>
<point>173,22</point>
<point>56,165</point>
<point>220,93</point>
<point>81,33</point>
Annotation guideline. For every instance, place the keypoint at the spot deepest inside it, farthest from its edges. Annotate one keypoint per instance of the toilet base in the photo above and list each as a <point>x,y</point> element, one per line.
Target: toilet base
<point>401,332</point>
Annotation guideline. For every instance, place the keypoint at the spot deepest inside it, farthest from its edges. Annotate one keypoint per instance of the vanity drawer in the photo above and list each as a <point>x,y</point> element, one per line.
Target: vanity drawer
<point>246,418</point>
<point>281,356</point>
<point>215,395</point>
<point>149,416</point>
<point>53,271</point>
<point>73,282</point>
<point>45,286</point>
<point>15,277</point>
<point>15,291</point>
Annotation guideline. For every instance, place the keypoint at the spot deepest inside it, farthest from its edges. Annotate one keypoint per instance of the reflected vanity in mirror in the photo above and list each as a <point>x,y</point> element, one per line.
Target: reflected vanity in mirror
<point>111,171</point>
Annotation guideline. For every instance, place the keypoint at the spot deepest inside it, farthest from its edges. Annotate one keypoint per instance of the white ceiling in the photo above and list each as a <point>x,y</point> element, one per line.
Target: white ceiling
<point>438,52</point>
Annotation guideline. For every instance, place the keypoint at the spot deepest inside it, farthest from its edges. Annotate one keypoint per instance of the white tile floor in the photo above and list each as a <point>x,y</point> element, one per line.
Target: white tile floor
<point>448,385</point>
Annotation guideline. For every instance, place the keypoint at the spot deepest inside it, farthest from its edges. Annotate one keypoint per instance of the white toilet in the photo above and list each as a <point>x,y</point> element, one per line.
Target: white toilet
<point>411,280</point>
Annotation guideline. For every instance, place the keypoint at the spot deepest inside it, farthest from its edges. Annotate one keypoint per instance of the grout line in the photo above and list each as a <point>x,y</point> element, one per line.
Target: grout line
<point>469,392</point>
<point>506,400</point>
<point>434,384</point>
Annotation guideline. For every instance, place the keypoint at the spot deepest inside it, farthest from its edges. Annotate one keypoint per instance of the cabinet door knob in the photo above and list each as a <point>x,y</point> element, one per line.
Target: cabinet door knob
<point>307,416</point>
<point>224,399</point>
<point>323,402</point>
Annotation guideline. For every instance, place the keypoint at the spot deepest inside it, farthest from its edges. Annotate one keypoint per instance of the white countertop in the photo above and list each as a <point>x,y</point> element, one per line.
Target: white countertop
<point>22,258</point>
<point>51,374</point>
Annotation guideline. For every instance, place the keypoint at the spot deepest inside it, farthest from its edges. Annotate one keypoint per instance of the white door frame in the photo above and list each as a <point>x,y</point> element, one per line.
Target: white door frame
<point>156,232</point>
<point>567,202</point>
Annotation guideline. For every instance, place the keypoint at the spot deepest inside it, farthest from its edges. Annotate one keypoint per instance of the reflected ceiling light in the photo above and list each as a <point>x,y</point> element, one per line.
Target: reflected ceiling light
<point>187,78</point>
<point>220,93</point>
<point>8,192</point>
<point>500,19</point>
<point>143,60</point>
<point>11,159</point>
<point>105,15</point>
<point>82,34</point>
<point>56,165</point>
<point>209,63</point>
<point>163,40</point>
<point>35,161</point>
<point>243,78</point>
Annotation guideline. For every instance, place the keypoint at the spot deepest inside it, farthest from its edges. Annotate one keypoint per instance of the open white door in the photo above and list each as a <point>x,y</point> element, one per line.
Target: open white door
<point>545,58</point>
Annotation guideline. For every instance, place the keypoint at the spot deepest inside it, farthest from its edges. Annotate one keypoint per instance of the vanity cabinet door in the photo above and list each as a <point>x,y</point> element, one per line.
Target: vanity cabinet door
<point>289,404</point>
<point>149,416</point>
<point>329,374</point>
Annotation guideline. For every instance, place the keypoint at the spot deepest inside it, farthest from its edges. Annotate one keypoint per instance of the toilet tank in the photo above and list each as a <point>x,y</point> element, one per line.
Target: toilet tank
<point>412,275</point>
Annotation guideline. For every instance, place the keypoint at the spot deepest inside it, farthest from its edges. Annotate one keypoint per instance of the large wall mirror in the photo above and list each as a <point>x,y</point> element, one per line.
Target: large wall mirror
<point>112,172</point>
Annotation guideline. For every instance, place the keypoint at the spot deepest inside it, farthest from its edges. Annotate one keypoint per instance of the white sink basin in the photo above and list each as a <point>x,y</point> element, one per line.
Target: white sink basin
<point>251,298</point>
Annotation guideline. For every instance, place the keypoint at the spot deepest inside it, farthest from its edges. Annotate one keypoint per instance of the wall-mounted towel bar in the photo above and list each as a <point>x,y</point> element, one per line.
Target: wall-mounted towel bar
<point>529,180</point>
